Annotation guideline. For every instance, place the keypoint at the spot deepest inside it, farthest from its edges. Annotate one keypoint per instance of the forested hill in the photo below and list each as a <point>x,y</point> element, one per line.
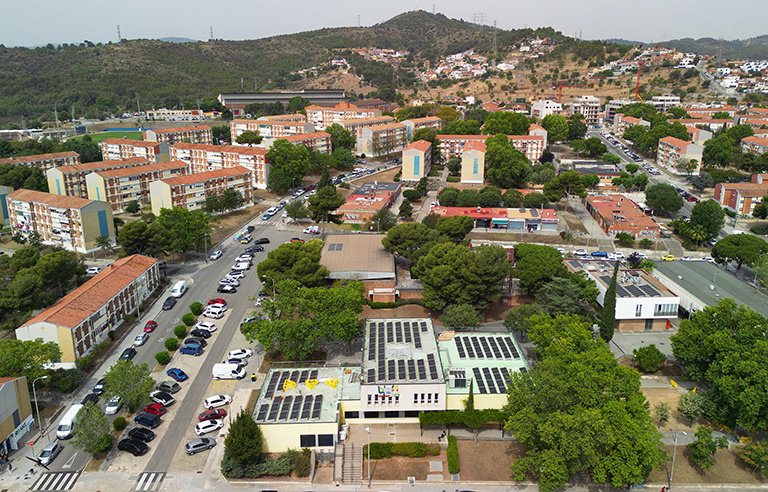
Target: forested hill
<point>106,78</point>
<point>737,49</point>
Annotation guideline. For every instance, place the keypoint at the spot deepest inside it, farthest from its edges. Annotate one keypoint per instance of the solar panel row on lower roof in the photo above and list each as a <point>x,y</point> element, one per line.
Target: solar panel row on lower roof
<point>262,412</point>
<point>499,378</point>
<point>650,290</point>
<point>479,380</point>
<point>504,349</point>
<point>416,339</point>
<point>283,378</point>
<point>294,376</point>
<point>511,346</point>
<point>304,376</point>
<point>621,291</point>
<point>460,347</point>
<point>317,407</point>
<point>274,409</point>
<point>296,407</point>
<point>407,331</point>
<point>422,370</point>
<point>492,341</point>
<point>272,384</point>
<point>489,380</point>
<point>478,350</point>
<point>411,369</point>
<point>307,407</point>
<point>468,346</point>
<point>432,366</point>
<point>391,370</point>
<point>486,347</point>
<point>399,332</point>
<point>286,408</point>
<point>313,374</point>
<point>401,370</point>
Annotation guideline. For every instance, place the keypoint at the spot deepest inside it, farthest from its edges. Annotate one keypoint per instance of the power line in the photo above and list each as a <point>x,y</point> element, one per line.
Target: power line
<point>479,18</point>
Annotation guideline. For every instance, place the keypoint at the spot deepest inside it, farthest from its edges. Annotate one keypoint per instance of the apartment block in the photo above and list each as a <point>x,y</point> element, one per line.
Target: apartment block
<point>44,161</point>
<point>120,186</point>
<point>530,145</point>
<point>708,112</point>
<point>616,213</point>
<point>382,139</point>
<point>754,144</point>
<point>70,180</point>
<point>514,219</point>
<point>16,417</point>
<point>671,150</point>
<point>319,141</point>
<point>612,108</point>
<point>664,102</point>
<point>298,117</point>
<point>356,126</point>
<point>324,115</point>
<point>4,192</point>
<point>73,223</point>
<point>269,128</point>
<point>741,197</point>
<point>713,124</point>
<point>203,158</point>
<point>538,130</point>
<point>417,159</point>
<point>84,317</point>
<point>175,114</point>
<point>416,124</point>
<point>587,106</point>
<point>113,149</point>
<point>193,134</point>
<point>545,107</point>
<point>621,123</point>
<point>453,145</point>
<point>473,163</point>
<point>698,135</point>
<point>190,191</point>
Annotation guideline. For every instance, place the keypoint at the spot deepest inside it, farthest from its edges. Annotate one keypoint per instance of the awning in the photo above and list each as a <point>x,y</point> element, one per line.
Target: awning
<point>499,221</point>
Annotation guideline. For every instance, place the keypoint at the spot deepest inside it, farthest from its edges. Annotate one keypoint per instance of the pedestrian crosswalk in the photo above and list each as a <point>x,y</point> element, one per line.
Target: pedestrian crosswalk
<point>149,481</point>
<point>55,481</point>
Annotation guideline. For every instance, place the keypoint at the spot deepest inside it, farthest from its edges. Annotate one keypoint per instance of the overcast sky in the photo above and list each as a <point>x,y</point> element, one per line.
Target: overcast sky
<point>38,22</point>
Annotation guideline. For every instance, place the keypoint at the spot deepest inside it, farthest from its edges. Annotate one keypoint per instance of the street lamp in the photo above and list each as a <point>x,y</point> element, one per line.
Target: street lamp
<point>263,277</point>
<point>37,408</point>
<point>368,430</point>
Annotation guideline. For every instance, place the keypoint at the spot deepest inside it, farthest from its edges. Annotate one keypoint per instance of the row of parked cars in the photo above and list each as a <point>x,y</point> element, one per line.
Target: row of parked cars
<point>687,196</point>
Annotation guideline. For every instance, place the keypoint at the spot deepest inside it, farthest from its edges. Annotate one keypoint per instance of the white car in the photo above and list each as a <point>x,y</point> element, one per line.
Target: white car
<point>239,353</point>
<point>216,255</point>
<point>140,339</point>
<point>218,305</point>
<point>93,270</point>
<point>229,281</point>
<point>612,257</point>
<point>235,275</point>
<point>239,267</point>
<point>113,405</point>
<point>213,312</point>
<point>206,325</point>
<point>246,256</point>
<point>619,254</point>
<point>580,252</point>
<point>207,426</point>
<point>642,256</point>
<point>217,401</point>
<point>244,259</point>
<point>311,230</point>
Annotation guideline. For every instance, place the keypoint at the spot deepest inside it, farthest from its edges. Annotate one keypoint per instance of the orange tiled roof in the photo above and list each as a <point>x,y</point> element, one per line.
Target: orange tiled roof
<point>59,201</point>
<point>237,149</point>
<point>421,145</point>
<point>200,177</point>
<point>90,166</point>
<point>675,141</point>
<point>38,157</point>
<point>387,126</point>
<point>305,136</point>
<point>80,304</point>
<point>366,120</point>
<point>475,145</point>
<point>130,171</point>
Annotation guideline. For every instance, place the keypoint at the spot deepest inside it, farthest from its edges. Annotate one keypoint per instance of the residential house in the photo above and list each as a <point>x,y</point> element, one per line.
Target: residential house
<point>473,162</point>
<point>203,158</point>
<point>588,106</point>
<point>193,134</point>
<point>616,213</point>
<point>754,144</point>
<point>118,187</point>
<point>190,191</point>
<point>672,150</point>
<point>741,197</point>
<point>416,124</point>
<point>538,130</point>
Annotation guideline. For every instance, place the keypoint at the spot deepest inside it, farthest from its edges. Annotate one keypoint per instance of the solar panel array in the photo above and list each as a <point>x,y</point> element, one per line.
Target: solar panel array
<point>290,407</point>
<point>486,347</point>
<point>491,380</point>
<point>380,369</point>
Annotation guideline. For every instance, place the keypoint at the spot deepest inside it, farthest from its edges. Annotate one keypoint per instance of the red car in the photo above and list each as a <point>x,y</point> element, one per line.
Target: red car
<point>217,301</point>
<point>296,240</point>
<point>150,326</point>
<point>155,408</point>
<point>213,413</point>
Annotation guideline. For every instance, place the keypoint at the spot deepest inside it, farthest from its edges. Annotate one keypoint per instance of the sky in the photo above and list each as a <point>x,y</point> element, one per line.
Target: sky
<point>39,22</point>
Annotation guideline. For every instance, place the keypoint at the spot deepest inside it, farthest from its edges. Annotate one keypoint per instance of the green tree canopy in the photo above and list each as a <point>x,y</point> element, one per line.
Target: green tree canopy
<point>456,227</point>
<point>249,138</point>
<point>412,240</point>
<point>506,166</point>
<point>506,123</point>
<point>567,183</point>
<point>709,215</point>
<point>537,264</point>
<point>741,248</point>
<point>461,317</point>
<point>663,197</point>
<point>517,319</point>
<point>288,162</point>
<point>138,237</point>
<point>461,127</point>
<point>130,382</point>
<point>189,229</point>
<point>560,296</point>
<point>297,261</point>
<point>322,204</point>
<point>27,357</point>
<point>92,424</point>
<point>556,126</point>
<point>341,138</point>
<point>244,442</point>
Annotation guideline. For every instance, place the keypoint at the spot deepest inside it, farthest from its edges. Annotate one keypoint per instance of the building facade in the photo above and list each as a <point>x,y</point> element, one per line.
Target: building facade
<point>120,186</point>
<point>754,144</point>
<point>621,123</point>
<point>740,197</point>
<point>70,180</point>
<point>204,158</point>
<point>367,200</point>
<point>545,107</point>
<point>473,163</point>
<point>612,108</point>
<point>73,223</point>
<point>85,316</point>
<point>190,191</point>
<point>355,126</point>
<point>515,219</point>
<point>664,102</point>
<point>588,106</point>
<point>322,115</point>
<point>416,124</point>
<point>672,150</point>
<point>44,161</point>
<point>194,134</point>
<point>15,413</point>
<point>319,141</point>
<point>113,149</point>
<point>382,139</point>
<point>268,128</point>
<point>417,159</point>
<point>616,213</point>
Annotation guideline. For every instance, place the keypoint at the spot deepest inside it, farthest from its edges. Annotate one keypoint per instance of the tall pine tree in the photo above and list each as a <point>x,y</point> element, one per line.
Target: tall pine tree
<point>608,321</point>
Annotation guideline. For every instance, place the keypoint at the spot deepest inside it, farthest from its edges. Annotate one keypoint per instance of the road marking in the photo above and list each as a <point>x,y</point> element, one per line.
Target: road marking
<point>149,481</point>
<point>55,481</point>
<point>70,461</point>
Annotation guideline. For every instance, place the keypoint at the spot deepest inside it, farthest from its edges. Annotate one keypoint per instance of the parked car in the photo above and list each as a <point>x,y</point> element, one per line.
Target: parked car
<point>161,397</point>
<point>619,254</point>
<point>100,386</point>
<point>207,426</point>
<point>92,270</point>
<point>177,374</point>
<point>668,258</point>
<point>262,240</point>
<point>191,349</point>
<point>113,405</point>
<point>198,333</point>
<point>254,249</point>
<point>140,339</point>
<point>142,434</point>
<point>212,414</point>
<point>238,362</point>
<point>251,319</point>
<point>214,312</point>
<point>199,341</point>
<point>148,420</point>
<point>168,386</point>
<point>239,267</point>
<point>169,303</point>
<point>296,240</point>
<point>206,325</point>
<point>235,275</point>
<point>599,254</point>
<point>200,444</point>
<point>156,409</point>
<point>216,255</point>
<point>49,453</point>
<point>226,289</point>
<point>245,239</point>
<point>229,281</point>
<point>90,397</point>
<point>150,326</point>
<point>128,353</point>
<point>133,446</point>
<point>217,401</point>
<point>580,252</point>
<point>311,230</point>
<point>240,353</point>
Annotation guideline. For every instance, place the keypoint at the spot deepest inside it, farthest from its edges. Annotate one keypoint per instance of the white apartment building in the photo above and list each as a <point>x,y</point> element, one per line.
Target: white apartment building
<point>588,106</point>
<point>545,107</point>
<point>203,158</point>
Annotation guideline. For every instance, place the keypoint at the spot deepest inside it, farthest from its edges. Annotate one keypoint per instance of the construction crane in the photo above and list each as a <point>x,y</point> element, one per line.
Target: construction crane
<point>637,86</point>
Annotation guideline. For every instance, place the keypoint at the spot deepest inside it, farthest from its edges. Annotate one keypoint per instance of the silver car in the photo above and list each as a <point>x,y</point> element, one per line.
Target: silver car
<point>49,453</point>
<point>113,406</point>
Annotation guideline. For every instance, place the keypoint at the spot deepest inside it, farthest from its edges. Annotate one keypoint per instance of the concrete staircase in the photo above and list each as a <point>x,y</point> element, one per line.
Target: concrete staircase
<point>349,463</point>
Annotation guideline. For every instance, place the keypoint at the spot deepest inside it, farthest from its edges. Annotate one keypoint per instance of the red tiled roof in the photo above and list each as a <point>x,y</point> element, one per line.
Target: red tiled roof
<point>90,166</point>
<point>474,145</point>
<point>421,145</point>
<point>134,143</point>
<point>675,141</point>
<point>757,140</point>
<point>200,177</point>
<point>59,201</point>
<point>181,129</point>
<point>379,128</point>
<point>38,157</point>
<point>81,303</point>
<point>425,119</point>
<point>534,126</point>
<point>130,171</point>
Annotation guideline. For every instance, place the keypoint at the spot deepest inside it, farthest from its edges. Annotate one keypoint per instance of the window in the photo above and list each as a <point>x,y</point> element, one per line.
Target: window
<point>639,310</point>
<point>474,167</point>
<point>411,413</point>
<point>325,440</point>
<point>372,415</point>
<point>415,398</point>
<point>392,414</point>
<point>352,415</point>
<point>423,395</point>
<point>370,399</point>
<point>429,398</point>
<point>416,165</point>
<point>307,440</point>
<point>436,397</point>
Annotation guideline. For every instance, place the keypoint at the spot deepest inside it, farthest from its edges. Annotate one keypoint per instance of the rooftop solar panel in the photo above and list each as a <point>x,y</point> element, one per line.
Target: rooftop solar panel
<point>272,384</point>
<point>283,378</point>
<point>313,374</point>
<point>317,407</point>
<point>422,370</point>
<point>294,376</point>
<point>460,347</point>
<point>494,347</point>
<point>500,383</point>
<point>399,332</point>
<point>621,291</point>
<point>416,339</point>
<point>307,407</point>
<point>486,348</point>
<point>488,378</point>
<point>371,376</point>
<point>432,366</point>
<point>407,333</point>
<point>286,408</point>
<point>274,409</point>
<point>262,412</point>
<point>478,350</point>
<point>401,369</point>
<point>650,290</point>
<point>424,326</point>
<point>391,369</point>
<point>511,346</point>
<point>479,381</point>
<point>468,346</point>
<point>504,349</point>
<point>411,369</point>
<point>296,407</point>
<point>523,370</point>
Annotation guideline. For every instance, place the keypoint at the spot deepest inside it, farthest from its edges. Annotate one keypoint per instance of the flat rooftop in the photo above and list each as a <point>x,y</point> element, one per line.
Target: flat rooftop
<point>401,351</point>
<point>486,358</point>
<point>301,395</point>
<point>357,256</point>
<point>629,283</point>
<point>697,276</point>
<point>375,187</point>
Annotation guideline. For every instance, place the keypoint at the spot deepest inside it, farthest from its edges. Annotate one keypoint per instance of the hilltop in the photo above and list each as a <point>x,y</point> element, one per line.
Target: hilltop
<point>737,49</point>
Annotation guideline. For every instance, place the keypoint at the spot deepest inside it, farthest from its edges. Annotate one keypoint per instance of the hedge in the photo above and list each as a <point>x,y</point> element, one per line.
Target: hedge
<point>171,344</point>
<point>188,319</point>
<point>196,308</point>
<point>453,179</point>
<point>301,462</point>
<point>86,362</point>
<point>120,424</point>
<point>180,331</point>
<point>380,450</point>
<point>163,358</point>
<point>452,455</point>
<point>460,417</point>
<point>282,465</point>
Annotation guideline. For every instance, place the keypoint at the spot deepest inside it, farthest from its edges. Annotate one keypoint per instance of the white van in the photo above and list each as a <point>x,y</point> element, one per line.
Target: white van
<point>179,288</point>
<point>67,423</point>
<point>228,371</point>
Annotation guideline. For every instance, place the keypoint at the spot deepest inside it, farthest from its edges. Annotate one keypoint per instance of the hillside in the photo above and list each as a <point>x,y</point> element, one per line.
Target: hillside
<point>99,79</point>
<point>737,49</point>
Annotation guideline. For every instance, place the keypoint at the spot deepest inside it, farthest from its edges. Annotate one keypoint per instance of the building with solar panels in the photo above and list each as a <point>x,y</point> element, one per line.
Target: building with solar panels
<point>642,302</point>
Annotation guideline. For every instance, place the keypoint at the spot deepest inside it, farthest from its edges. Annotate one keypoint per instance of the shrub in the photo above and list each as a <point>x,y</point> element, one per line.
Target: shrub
<point>453,179</point>
<point>380,450</point>
<point>112,335</point>
<point>625,239</point>
<point>412,195</point>
<point>452,455</point>
<point>66,381</point>
<point>646,243</point>
<point>649,358</point>
<point>86,362</point>
<point>171,344</point>
<point>344,185</point>
<point>120,424</point>
<point>196,308</point>
<point>760,231</point>
<point>729,212</point>
<point>301,462</point>
<point>755,455</point>
<point>163,357</point>
<point>104,442</point>
<point>180,331</point>
<point>188,319</point>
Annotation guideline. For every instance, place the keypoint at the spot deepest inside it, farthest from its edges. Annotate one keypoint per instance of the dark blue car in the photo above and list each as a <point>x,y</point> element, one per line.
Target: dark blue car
<point>191,349</point>
<point>599,254</point>
<point>177,374</point>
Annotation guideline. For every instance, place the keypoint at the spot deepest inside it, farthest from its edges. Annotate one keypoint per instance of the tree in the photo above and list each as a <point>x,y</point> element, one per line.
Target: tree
<point>702,181</point>
<point>297,261</point>
<point>341,138</point>
<point>577,129</point>
<point>632,168</point>
<point>414,195</point>
<point>543,172</point>
<point>649,358</point>
<point>556,126</point>
<point>297,104</point>
<point>454,166</point>
<point>130,382</point>
<point>132,207</point>
<point>91,426</point>
<point>59,268</point>
<point>288,163</point>
<point>27,357</point>
<point>755,455</point>
<point>567,183</point>
<point>325,201</point>
<point>423,185</point>
<point>702,450</point>
<point>512,198</point>
<point>536,265</point>
<point>139,238</point>
<point>560,296</point>
<point>221,134</point>
<point>244,442</point>
<point>709,215</point>
<point>103,242</point>
<point>412,240</point>
<point>608,318</point>
<point>296,210</point>
<point>506,166</point>
<point>506,123</point>
<point>663,197</point>
<point>384,220</point>
<point>592,147</point>
<point>461,127</point>
<point>534,200</point>
<point>578,388</point>
<point>118,223</point>
<point>232,199</point>
<point>718,151</point>
<point>461,317</point>
<point>625,239</point>
<point>343,159</point>
<point>662,412</point>
<point>517,319</point>
<point>455,228</point>
<point>406,210</point>
<point>189,229</point>
<point>741,248</point>
<point>249,138</point>
<point>455,274</point>
<point>687,166</point>
<point>490,196</point>
<point>468,198</point>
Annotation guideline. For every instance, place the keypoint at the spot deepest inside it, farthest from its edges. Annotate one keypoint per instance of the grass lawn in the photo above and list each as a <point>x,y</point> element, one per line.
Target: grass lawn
<point>101,136</point>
